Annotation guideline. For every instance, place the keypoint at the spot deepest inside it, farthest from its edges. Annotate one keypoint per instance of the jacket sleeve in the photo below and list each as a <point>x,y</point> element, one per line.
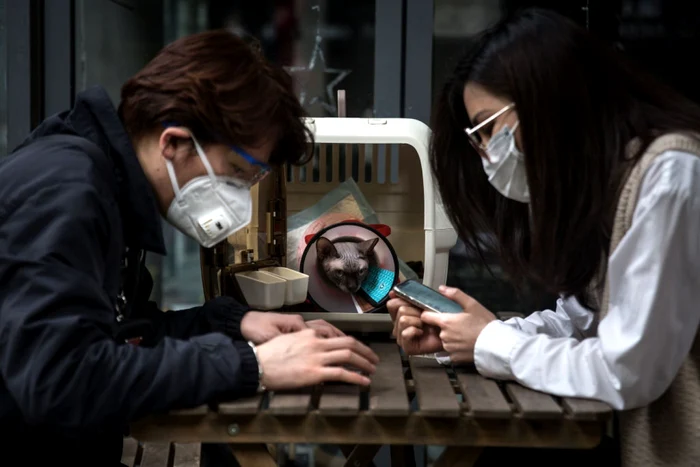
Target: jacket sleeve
<point>57,355</point>
<point>221,314</point>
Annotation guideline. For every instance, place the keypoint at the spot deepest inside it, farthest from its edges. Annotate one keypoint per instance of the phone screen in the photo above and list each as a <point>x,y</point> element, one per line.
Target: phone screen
<point>425,297</point>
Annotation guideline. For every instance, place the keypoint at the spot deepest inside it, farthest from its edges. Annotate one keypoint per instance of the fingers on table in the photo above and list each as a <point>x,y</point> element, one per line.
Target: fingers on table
<point>338,373</point>
<point>349,358</point>
<point>352,344</point>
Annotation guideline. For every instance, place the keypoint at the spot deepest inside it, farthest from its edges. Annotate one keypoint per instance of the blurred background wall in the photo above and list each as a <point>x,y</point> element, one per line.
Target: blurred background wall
<point>390,56</point>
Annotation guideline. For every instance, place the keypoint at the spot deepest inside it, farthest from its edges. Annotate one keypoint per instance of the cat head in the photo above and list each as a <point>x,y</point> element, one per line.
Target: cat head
<point>345,264</point>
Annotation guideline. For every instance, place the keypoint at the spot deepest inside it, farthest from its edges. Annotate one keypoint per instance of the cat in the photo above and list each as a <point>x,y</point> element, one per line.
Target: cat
<point>345,261</point>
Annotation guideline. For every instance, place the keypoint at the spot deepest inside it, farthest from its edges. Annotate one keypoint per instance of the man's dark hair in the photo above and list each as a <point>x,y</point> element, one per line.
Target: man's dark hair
<point>224,90</point>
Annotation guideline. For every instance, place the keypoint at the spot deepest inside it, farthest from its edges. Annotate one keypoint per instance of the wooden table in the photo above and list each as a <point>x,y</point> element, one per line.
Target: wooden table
<point>489,414</point>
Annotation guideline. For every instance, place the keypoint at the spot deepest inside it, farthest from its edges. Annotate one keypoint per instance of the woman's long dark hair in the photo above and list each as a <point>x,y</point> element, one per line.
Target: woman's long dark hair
<point>579,103</point>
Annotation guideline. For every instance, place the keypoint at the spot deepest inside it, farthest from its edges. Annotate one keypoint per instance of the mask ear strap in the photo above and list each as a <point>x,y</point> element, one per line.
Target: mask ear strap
<point>173,179</point>
<point>205,160</point>
<point>519,153</point>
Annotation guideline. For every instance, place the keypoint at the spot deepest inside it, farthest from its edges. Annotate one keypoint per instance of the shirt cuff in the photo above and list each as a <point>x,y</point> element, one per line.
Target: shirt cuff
<point>494,348</point>
<point>443,358</point>
<point>225,316</point>
<point>249,375</point>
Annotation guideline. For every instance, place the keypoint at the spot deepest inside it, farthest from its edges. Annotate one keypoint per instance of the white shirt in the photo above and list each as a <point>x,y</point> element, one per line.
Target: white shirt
<point>631,357</point>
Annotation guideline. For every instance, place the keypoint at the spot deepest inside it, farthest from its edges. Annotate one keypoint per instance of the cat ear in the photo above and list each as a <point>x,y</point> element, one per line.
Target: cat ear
<point>325,249</point>
<point>367,246</point>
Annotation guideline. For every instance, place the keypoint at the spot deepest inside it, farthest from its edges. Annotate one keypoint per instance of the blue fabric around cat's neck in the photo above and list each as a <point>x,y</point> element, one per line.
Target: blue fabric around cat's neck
<point>377,284</point>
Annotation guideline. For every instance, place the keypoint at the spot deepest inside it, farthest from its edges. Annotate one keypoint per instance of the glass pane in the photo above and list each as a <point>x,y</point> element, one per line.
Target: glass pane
<point>102,60</point>
<point>3,82</point>
<point>659,35</point>
<point>325,45</point>
<point>456,23</point>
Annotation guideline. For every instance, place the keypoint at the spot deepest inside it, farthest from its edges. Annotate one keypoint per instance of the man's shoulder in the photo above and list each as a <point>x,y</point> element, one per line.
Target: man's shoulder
<point>67,167</point>
<point>55,161</point>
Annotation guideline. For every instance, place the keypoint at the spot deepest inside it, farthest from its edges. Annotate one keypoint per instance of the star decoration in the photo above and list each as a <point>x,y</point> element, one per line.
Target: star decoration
<point>328,102</point>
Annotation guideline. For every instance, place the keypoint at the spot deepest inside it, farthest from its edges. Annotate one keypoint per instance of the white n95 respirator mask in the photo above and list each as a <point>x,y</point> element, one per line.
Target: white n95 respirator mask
<point>211,207</point>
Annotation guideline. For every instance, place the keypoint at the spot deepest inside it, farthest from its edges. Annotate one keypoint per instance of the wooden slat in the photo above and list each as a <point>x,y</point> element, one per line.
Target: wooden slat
<point>335,164</point>
<point>586,409</point>
<point>387,164</point>
<point>253,455</point>
<point>322,162</point>
<point>458,456</point>
<point>367,428</point>
<point>290,403</point>
<point>339,400</point>
<point>130,452</point>
<point>436,398</point>
<point>402,456</point>
<point>361,455</point>
<point>195,411</point>
<point>375,165</point>
<point>363,160</point>
<point>387,392</point>
<point>246,406</point>
<point>353,322</point>
<point>187,455</point>
<point>348,161</point>
<point>155,455</point>
<point>533,404</point>
<point>483,396</point>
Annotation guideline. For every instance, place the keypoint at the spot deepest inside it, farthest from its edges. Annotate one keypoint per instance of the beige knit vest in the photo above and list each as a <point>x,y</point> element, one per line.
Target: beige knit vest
<point>666,432</point>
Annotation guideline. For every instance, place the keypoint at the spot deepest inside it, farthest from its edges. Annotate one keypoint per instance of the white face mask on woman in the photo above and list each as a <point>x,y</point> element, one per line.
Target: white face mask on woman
<point>211,207</point>
<point>506,165</point>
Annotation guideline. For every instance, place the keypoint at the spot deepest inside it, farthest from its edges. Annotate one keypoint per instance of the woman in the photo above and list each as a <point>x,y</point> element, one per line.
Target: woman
<point>586,172</point>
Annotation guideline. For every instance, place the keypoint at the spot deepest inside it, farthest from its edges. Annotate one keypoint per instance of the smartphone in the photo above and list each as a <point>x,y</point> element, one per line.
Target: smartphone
<point>425,298</point>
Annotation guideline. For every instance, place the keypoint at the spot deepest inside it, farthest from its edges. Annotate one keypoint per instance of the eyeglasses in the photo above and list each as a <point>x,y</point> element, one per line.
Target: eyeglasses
<point>247,168</point>
<point>473,133</point>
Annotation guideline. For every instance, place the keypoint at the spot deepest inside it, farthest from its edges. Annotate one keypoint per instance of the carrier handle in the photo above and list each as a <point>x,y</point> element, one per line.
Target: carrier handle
<point>383,229</point>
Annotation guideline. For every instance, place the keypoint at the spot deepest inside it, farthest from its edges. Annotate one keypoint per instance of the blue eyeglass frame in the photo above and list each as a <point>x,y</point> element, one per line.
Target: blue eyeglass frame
<point>237,149</point>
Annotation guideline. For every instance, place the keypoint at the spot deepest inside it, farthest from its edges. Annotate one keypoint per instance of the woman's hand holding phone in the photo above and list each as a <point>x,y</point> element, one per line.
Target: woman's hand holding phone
<point>419,332</point>
<point>409,331</point>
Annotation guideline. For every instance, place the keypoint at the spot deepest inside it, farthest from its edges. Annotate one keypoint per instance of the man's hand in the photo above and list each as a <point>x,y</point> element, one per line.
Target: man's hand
<point>324,328</point>
<point>411,334</point>
<point>259,327</point>
<point>459,331</point>
<point>304,359</point>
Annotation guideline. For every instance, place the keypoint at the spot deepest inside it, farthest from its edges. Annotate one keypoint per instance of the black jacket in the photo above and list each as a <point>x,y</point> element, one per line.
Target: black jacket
<point>73,201</point>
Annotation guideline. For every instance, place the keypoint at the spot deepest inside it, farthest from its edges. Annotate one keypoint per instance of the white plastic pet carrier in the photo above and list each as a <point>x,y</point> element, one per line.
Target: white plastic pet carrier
<point>383,160</point>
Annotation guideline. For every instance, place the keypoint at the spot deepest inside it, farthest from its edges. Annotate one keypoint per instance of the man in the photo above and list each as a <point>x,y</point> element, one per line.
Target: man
<point>82,352</point>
